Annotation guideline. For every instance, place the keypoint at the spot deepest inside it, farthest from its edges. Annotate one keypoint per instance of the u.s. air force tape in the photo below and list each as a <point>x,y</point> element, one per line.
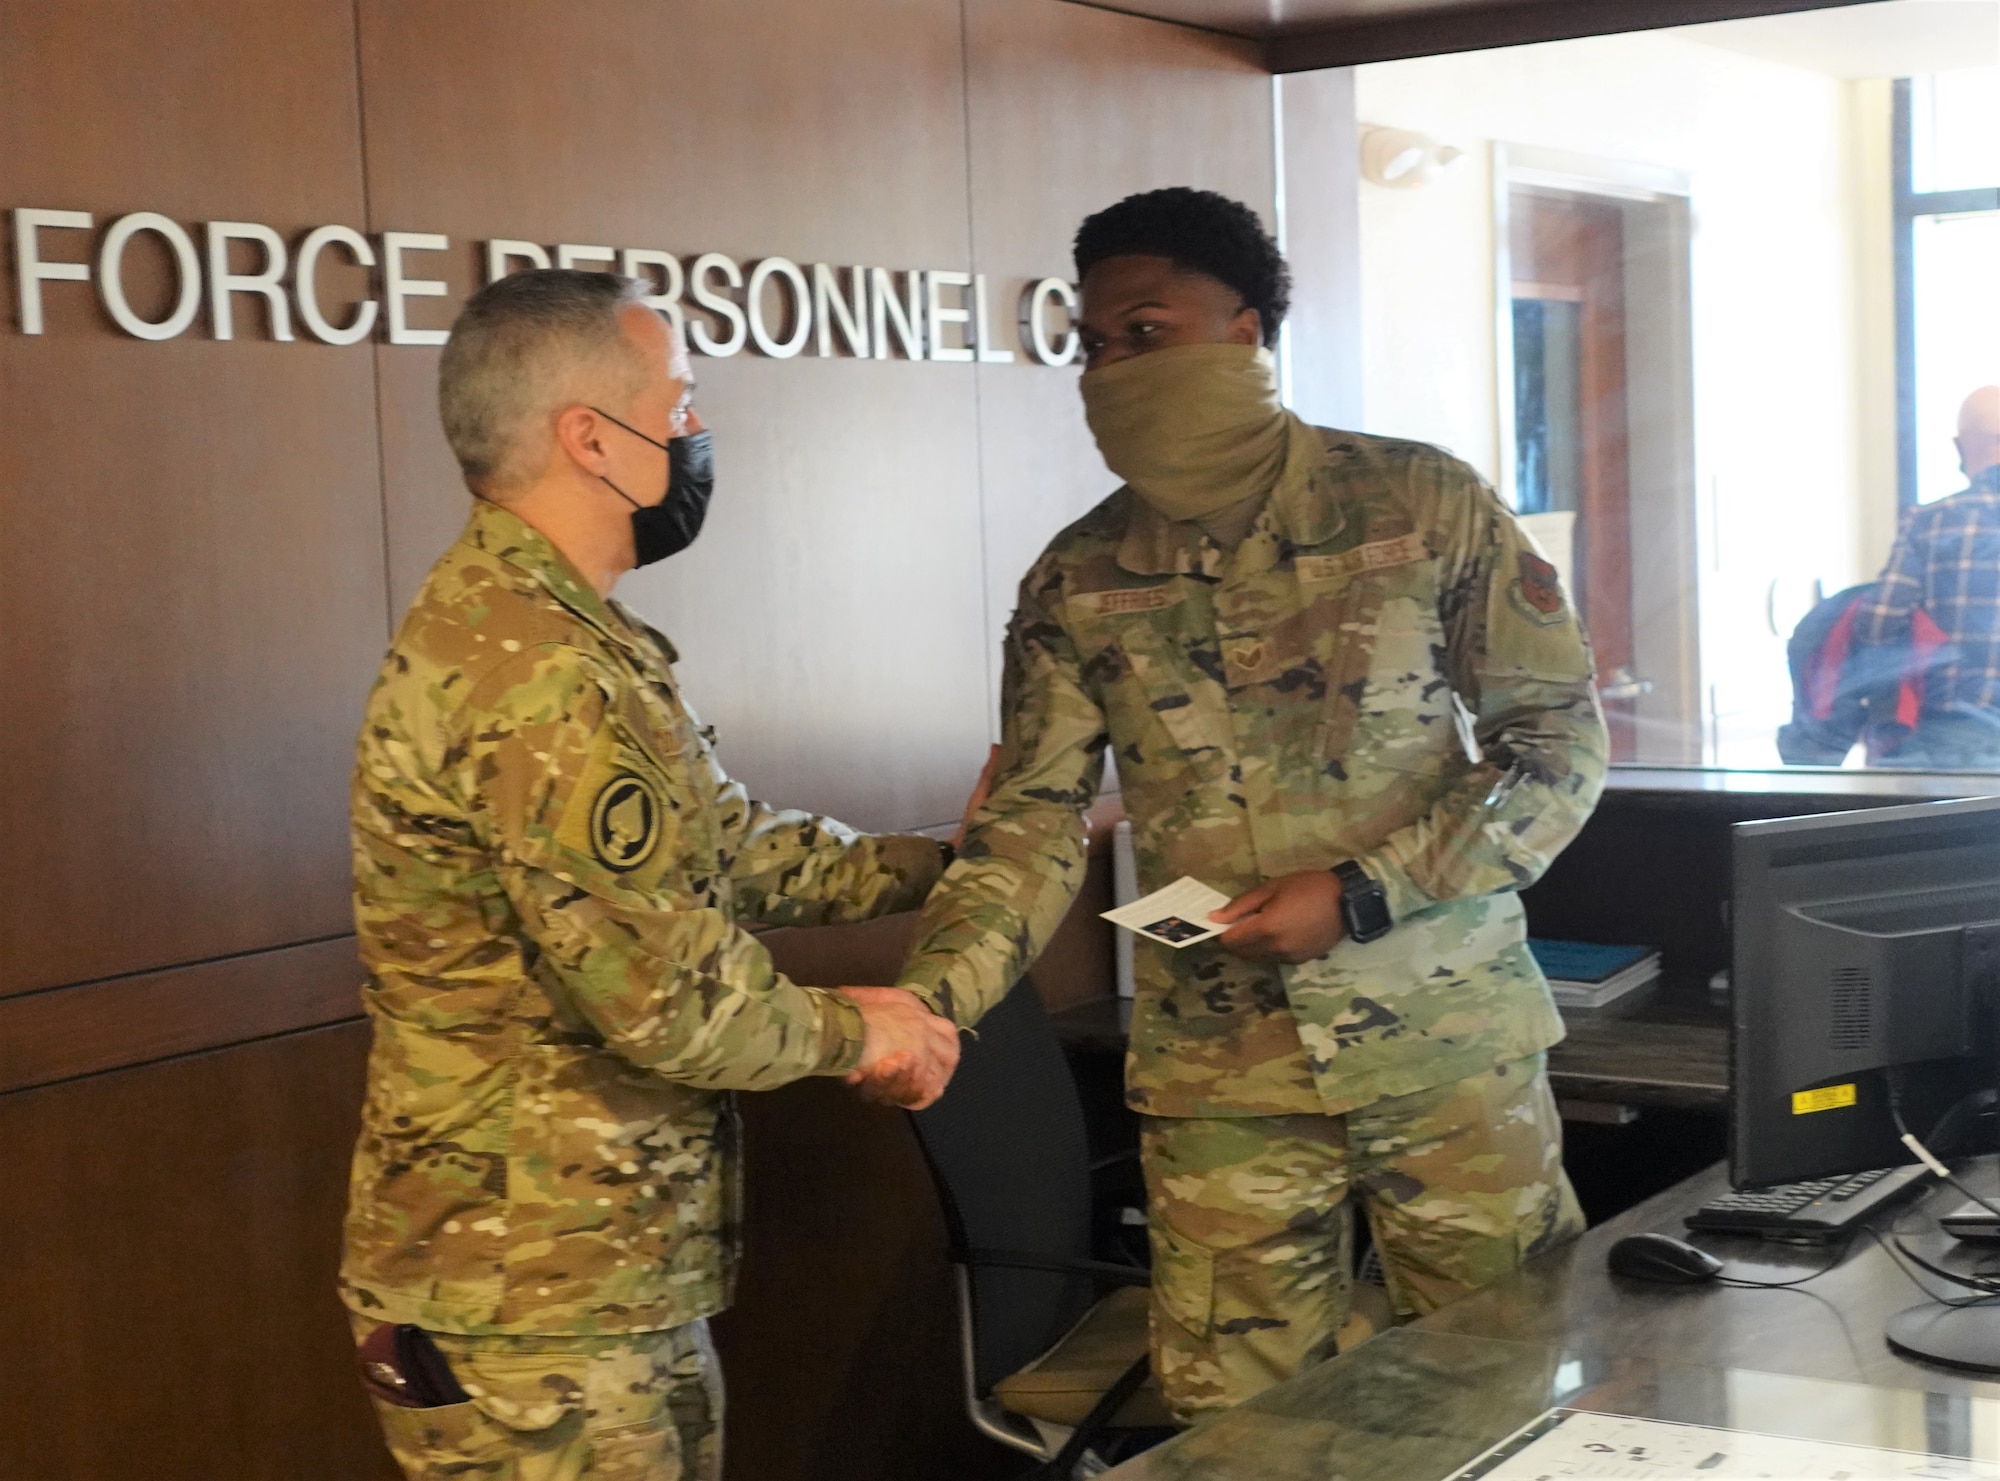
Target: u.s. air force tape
<point>625,822</point>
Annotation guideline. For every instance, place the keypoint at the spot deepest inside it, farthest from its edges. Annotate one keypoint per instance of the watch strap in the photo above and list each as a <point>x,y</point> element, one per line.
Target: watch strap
<point>1361,892</point>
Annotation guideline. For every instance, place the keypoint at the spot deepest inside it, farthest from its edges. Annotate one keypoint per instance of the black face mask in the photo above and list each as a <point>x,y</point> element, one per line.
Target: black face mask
<point>669,527</point>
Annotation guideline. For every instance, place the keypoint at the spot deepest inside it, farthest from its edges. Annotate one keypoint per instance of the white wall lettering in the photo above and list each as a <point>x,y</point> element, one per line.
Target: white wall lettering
<point>111,275</point>
<point>982,339</point>
<point>1035,325</point>
<point>306,289</point>
<point>398,286</point>
<point>801,309</point>
<point>831,308</point>
<point>940,315</point>
<point>30,272</point>
<point>718,304</point>
<point>936,314</point>
<point>639,262</point>
<point>501,253</point>
<point>908,317</point>
<point>222,282</point>
<point>570,255</point>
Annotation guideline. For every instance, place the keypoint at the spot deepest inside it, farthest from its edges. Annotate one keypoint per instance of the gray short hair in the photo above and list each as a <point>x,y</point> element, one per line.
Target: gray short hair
<point>522,349</point>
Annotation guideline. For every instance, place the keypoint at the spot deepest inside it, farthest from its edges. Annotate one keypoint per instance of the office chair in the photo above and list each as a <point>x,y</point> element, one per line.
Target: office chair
<point>1049,1368</point>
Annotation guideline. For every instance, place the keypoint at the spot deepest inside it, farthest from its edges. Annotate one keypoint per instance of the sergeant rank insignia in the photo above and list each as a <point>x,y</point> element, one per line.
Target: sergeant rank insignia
<point>624,823</point>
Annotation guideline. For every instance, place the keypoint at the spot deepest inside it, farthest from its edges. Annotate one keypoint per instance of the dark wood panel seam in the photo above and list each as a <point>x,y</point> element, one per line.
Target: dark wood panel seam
<point>1161,20</point>
<point>987,644</point>
<point>389,613</point>
<point>244,1043</point>
<point>7,998</point>
<point>1480,27</point>
<point>89,1029</point>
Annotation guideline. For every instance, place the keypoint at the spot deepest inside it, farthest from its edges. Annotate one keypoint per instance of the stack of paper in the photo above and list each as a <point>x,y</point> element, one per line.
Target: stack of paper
<point>1586,976</point>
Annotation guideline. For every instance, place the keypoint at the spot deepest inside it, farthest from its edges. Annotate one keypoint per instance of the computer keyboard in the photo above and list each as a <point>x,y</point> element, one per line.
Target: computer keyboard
<point>1815,1212</point>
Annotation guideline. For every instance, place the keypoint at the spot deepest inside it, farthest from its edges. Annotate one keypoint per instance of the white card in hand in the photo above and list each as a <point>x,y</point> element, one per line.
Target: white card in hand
<point>1176,915</point>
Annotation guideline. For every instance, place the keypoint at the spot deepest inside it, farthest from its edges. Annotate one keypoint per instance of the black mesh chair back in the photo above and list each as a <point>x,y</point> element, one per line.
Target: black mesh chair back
<point>1007,1149</point>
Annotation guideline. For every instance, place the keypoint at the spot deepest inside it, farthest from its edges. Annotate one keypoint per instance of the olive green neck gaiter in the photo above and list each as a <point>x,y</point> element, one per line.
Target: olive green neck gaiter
<point>1192,429</point>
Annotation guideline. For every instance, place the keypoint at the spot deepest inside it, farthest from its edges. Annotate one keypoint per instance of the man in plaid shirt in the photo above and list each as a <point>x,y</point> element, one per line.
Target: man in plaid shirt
<point>1947,562</point>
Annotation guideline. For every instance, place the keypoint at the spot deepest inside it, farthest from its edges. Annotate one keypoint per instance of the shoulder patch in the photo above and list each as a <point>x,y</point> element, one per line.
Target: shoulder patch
<point>1373,556</point>
<point>626,819</point>
<point>1537,591</point>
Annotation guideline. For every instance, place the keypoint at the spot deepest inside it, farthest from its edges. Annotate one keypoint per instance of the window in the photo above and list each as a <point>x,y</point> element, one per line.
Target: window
<point>1947,215</point>
<point>1702,304</point>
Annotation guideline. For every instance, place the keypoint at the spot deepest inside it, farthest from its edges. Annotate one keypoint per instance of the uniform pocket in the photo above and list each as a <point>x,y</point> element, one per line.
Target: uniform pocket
<point>1183,1278</point>
<point>526,1392</point>
<point>1189,705</point>
<point>446,1441</point>
<point>639,1452</point>
<point>1351,653</point>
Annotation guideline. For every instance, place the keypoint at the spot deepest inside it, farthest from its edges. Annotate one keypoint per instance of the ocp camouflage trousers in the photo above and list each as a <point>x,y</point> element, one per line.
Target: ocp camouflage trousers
<point>640,1406</point>
<point>1253,1235</point>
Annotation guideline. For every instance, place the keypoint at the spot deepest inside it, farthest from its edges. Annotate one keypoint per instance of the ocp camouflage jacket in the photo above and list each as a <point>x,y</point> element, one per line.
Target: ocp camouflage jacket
<point>549,868</point>
<point>1384,670</point>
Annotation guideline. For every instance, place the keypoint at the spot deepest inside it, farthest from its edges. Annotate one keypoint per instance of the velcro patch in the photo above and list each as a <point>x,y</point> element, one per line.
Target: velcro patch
<point>1370,557</point>
<point>1537,592</point>
<point>1131,599</point>
<point>626,819</point>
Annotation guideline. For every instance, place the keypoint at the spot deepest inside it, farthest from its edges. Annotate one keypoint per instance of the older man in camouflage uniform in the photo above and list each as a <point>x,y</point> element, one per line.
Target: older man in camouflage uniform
<point>1342,686</point>
<point>550,867</point>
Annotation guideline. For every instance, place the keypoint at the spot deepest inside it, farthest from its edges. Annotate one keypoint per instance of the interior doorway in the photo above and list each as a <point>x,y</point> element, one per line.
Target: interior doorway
<point>1596,414</point>
<point>1567,299</point>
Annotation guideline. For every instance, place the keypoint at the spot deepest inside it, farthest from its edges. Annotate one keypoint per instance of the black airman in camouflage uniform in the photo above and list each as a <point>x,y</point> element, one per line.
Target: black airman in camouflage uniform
<point>1364,660</point>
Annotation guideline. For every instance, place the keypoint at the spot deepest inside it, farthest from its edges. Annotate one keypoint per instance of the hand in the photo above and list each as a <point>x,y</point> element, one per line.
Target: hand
<point>908,1052</point>
<point>1292,919</point>
<point>978,798</point>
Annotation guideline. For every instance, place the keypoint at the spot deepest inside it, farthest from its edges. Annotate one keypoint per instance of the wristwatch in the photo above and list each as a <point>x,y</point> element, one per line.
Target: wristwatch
<point>1364,904</point>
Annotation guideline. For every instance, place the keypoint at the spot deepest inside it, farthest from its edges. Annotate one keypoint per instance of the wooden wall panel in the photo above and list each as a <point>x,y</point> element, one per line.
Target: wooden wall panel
<point>166,1304</point>
<point>1072,109</point>
<point>191,585</point>
<point>70,1032</point>
<point>202,546</point>
<point>829,619</point>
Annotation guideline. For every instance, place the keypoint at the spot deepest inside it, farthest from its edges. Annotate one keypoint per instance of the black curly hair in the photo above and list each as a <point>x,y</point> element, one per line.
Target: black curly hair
<point>1201,232</point>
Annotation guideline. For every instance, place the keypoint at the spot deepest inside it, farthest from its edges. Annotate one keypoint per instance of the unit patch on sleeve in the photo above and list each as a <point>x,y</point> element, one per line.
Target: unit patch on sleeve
<point>625,822</point>
<point>1537,591</point>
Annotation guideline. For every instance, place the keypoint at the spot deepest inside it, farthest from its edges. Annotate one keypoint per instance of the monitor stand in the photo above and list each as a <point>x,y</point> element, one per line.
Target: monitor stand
<point>1956,1336</point>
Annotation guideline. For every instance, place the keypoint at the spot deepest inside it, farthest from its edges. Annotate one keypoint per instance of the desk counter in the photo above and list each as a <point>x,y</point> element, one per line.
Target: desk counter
<point>1420,1402</point>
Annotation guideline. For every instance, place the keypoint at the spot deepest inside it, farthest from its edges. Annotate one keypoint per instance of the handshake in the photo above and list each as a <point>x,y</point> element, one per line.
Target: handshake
<point>908,1053</point>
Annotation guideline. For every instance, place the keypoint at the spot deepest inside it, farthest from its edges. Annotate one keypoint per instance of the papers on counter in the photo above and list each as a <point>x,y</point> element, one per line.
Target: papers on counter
<point>1573,1445</point>
<point>1177,916</point>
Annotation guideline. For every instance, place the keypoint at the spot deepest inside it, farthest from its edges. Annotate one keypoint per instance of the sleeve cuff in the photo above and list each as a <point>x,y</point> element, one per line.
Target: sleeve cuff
<point>1404,898</point>
<point>924,980</point>
<point>917,863</point>
<point>841,1034</point>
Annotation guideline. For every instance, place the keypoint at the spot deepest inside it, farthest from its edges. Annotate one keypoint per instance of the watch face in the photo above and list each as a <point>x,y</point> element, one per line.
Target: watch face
<point>1367,911</point>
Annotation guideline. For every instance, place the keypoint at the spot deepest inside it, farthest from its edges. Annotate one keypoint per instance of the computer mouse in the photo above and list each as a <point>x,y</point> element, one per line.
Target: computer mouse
<point>1664,1259</point>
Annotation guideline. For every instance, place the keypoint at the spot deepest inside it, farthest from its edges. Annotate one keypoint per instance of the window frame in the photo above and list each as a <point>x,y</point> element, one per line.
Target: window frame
<point>1910,206</point>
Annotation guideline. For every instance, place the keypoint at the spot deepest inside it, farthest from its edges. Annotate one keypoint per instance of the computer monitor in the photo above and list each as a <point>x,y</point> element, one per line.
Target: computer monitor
<point>1866,945</point>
